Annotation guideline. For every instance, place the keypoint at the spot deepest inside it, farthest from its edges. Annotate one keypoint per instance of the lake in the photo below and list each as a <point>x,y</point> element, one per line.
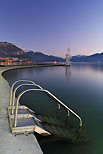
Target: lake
<point>80,87</point>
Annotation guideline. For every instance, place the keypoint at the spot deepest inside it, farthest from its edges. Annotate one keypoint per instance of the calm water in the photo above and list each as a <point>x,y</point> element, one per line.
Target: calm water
<point>80,86</point>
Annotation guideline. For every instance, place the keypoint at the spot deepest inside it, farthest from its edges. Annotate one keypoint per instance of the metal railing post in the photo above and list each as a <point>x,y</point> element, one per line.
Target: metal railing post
<point>11,90</point>
<point>13,99</point>
<point>56,99</point>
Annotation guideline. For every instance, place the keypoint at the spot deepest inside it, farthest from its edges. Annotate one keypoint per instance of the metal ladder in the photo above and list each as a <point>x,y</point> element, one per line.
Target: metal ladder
<point>20,117</point>
<point>24,120</point>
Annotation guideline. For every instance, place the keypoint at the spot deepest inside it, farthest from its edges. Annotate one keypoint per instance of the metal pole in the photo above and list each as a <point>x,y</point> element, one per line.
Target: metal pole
<point>43,90</point>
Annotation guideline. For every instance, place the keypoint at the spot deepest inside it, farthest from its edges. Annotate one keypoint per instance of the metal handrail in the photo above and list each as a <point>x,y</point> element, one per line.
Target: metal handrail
<point>14,93</point>
<point>53,97</point>
<point>57,111</point>
<point>11,91</point>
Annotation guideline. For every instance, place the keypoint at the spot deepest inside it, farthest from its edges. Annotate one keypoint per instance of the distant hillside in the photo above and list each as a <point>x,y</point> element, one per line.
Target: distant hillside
<point>10,50</point>
<point>92,58</point>
<point>38,56</point>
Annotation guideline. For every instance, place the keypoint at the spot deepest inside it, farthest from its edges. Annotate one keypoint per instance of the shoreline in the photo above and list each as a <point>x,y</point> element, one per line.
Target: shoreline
<point>8,68</point>
<point>9,143</point>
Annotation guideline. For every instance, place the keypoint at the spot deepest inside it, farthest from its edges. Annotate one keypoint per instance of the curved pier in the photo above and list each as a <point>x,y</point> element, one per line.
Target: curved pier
<point>10,143</point>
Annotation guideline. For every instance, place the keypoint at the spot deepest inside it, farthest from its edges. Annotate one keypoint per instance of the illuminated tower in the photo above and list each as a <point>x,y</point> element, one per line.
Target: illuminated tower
<point>68,55</point>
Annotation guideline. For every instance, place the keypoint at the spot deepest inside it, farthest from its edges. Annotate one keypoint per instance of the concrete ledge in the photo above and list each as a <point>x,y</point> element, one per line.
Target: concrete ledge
<point>10,144</point>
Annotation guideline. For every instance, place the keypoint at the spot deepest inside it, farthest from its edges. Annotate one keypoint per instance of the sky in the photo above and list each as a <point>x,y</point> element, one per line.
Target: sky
<point>48,25</point>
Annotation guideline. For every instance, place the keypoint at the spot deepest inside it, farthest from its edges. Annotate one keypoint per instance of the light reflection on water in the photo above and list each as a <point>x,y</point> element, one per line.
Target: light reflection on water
<point>80,86</point>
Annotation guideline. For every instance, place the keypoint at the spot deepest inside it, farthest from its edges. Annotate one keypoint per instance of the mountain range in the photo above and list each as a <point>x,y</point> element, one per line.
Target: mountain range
<point>38,56</point>
<point>12,51</point>
<point>92,58</point>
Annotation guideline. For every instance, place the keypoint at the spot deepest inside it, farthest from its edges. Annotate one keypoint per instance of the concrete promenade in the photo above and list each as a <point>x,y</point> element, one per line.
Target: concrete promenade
<point>9,143</point>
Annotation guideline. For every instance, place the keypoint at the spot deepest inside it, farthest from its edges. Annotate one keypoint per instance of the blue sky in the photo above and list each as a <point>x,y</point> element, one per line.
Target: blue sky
<point>48,25</point>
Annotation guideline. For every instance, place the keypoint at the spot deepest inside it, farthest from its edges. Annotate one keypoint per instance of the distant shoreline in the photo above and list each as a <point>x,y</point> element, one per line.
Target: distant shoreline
<point>8,68</point>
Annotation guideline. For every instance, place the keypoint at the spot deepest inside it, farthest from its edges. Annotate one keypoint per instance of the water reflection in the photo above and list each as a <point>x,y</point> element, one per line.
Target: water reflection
<point>67,72</point>
<point>83,94</point>
<point>94,65</point>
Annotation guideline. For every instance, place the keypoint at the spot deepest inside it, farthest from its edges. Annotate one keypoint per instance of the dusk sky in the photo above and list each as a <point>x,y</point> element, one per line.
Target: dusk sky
<point>48,25</point>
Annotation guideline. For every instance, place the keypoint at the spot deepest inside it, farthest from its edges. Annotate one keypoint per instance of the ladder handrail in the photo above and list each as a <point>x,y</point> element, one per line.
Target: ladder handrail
<point>14,93</point>
<point>11,91</point>
<point>52,96</point>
